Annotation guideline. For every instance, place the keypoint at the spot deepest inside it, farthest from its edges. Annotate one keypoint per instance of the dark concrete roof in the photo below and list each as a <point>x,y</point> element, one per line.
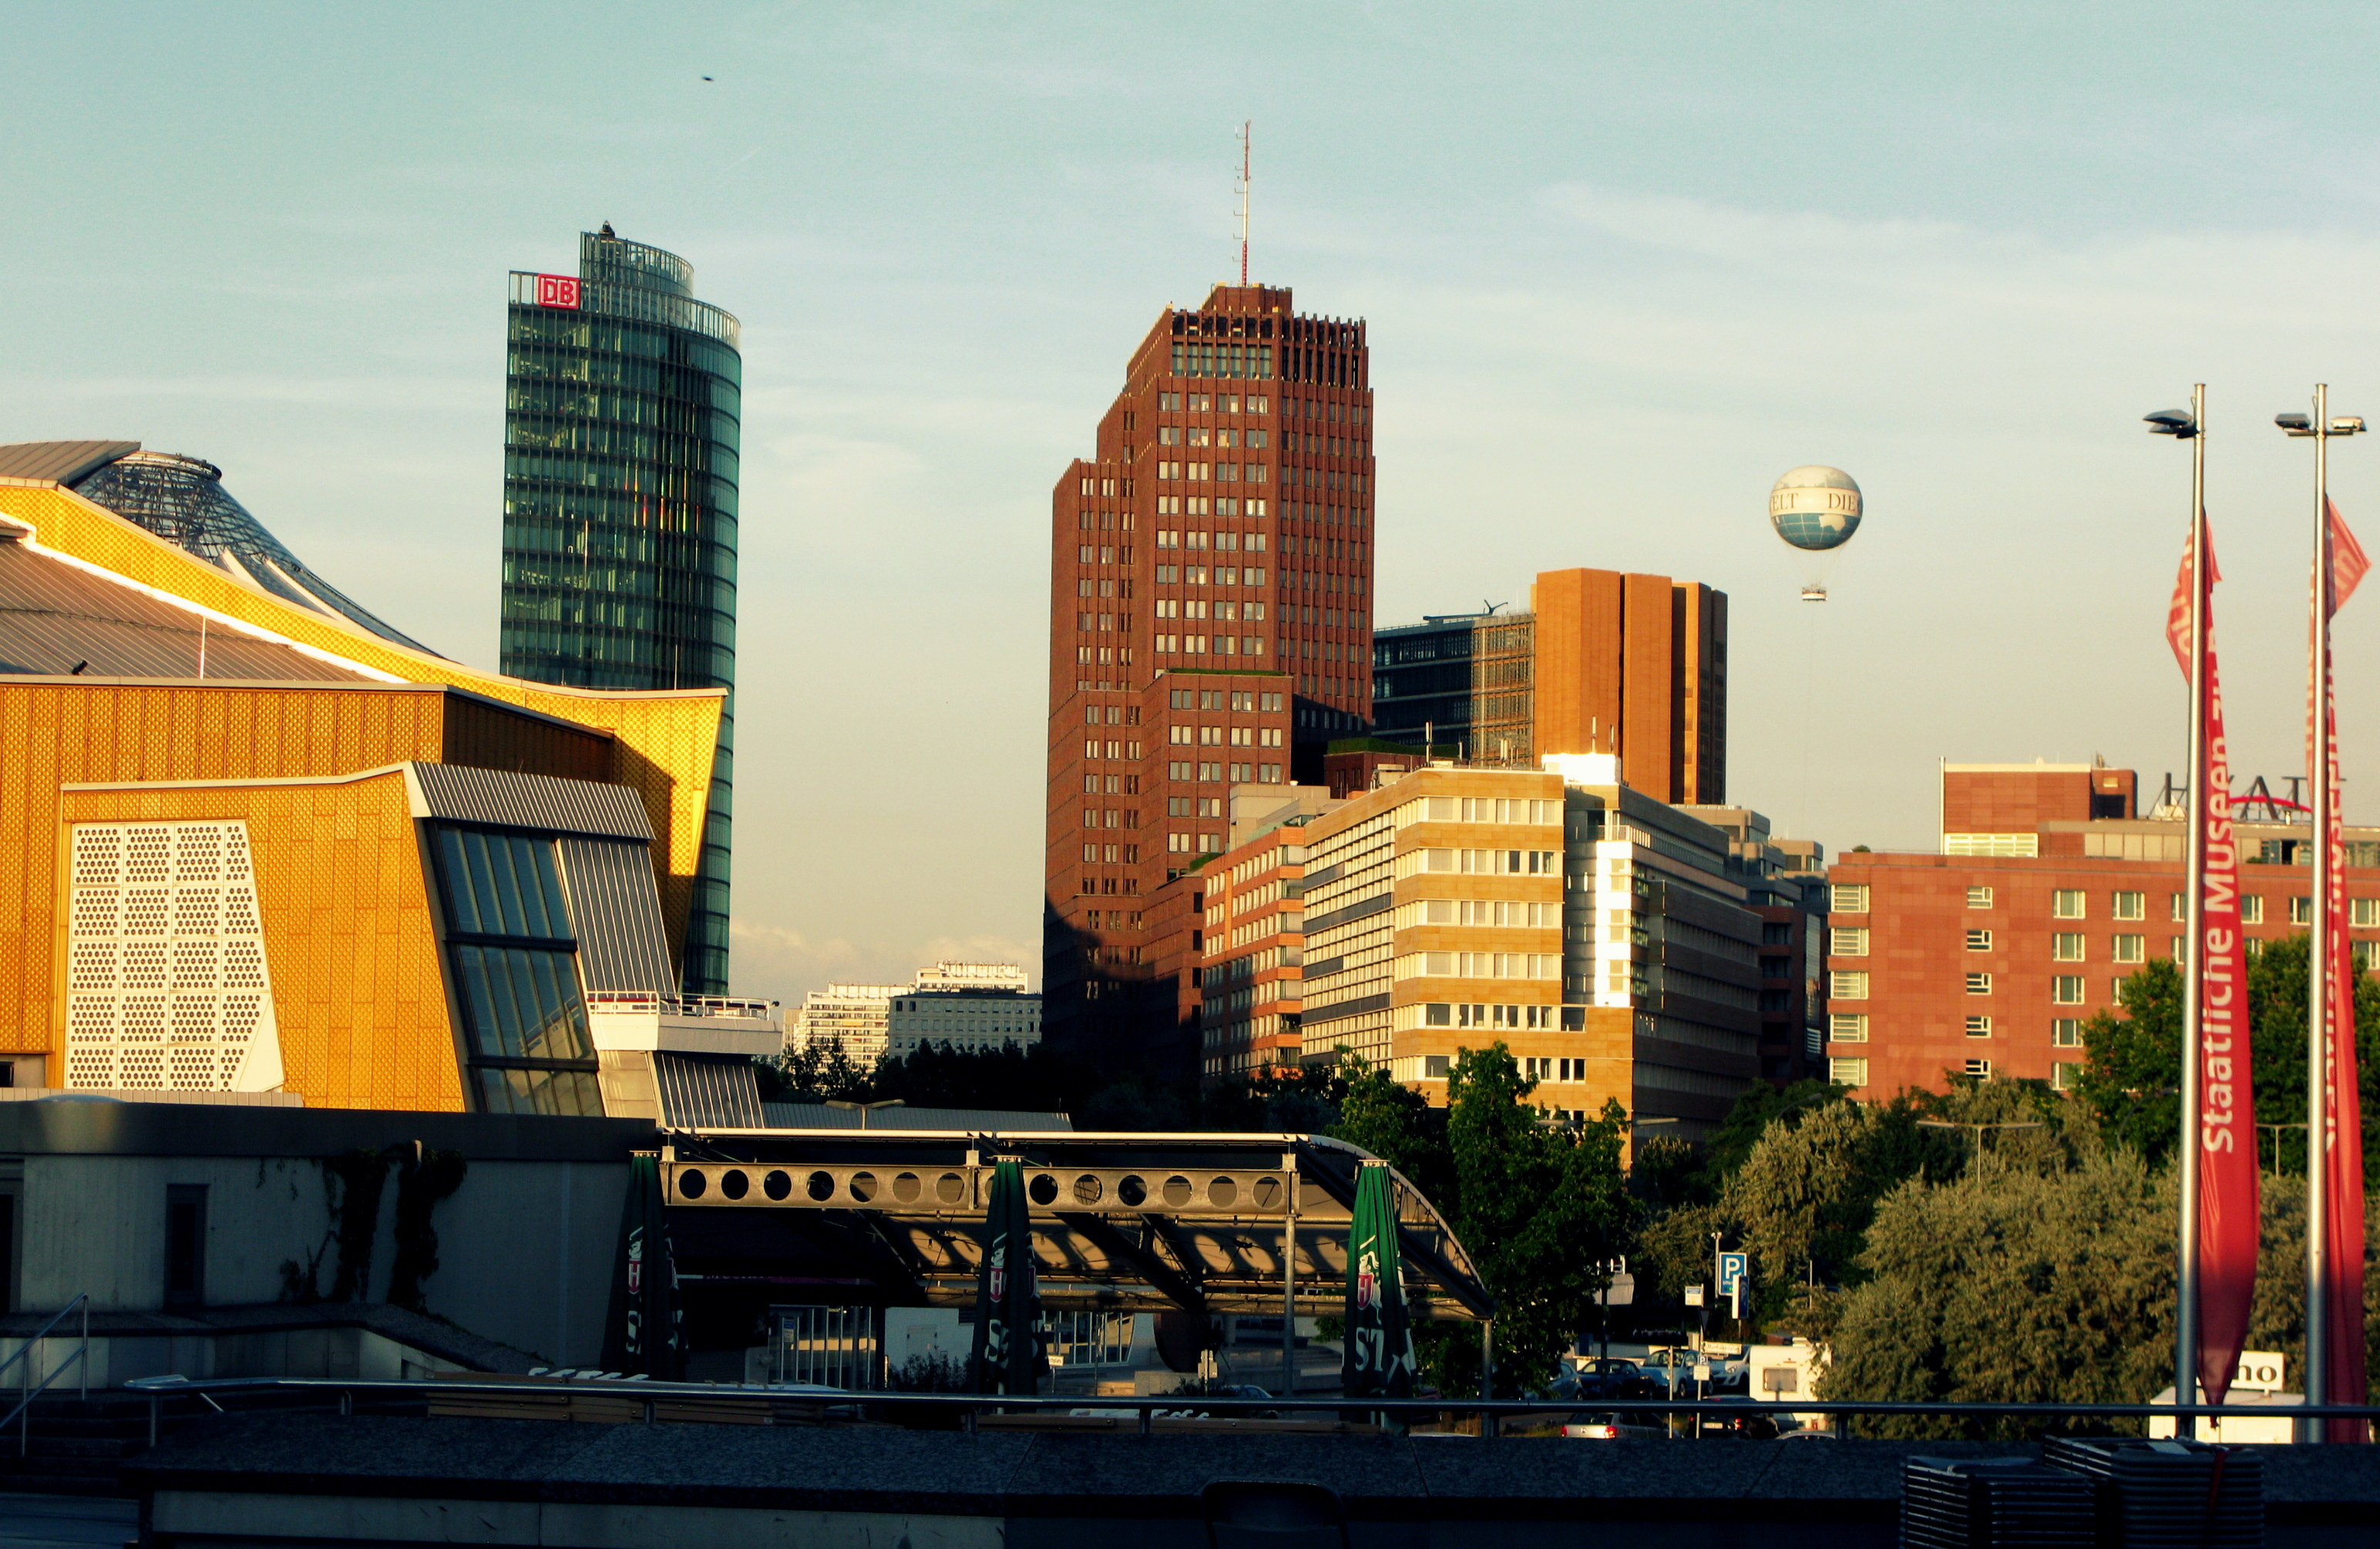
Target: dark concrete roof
<point>81,1127</point>
<point>54,615</point>
<point>1094,1488</point>
<point>430,1336</point>
<point>60,462</point>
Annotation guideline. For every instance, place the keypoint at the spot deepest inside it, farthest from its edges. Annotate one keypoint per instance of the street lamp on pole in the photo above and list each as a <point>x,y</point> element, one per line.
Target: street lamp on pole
<point>2190,425</point>
<point>2319,428</point>
<point>1979,1129</point>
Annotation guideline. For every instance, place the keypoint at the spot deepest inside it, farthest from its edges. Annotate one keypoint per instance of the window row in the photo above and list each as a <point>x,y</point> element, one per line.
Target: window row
<point>1213,736</point>
<point>1111,488</point>
<point>1219,543</point>
<point>1217,472</point>
<point>1441,1013</point>
<point>1240,774</point>
<point>1107,656</point>
<point>1481,809</point>
<point>1491,863</point>
<point>1202,435</point>
<point>1116,817</point>
<point>1111,715</point>
<point>1104,586</point>
<point>1111,749</point>
<point>1186,843</point>
<point>1213,403</point>
<point>1483,911</point>
<point>1117,785</point>
<point>1194,806</point>
<point>1556,1069</point>
<point>1103,553</point>
<point>1112,855</point>
<point>1222,699</point>
<point>1209,505</point>
<point>1201,645</point>
<point>1224,575</point>
<point>1480,965</point>
<point>1202,608</point>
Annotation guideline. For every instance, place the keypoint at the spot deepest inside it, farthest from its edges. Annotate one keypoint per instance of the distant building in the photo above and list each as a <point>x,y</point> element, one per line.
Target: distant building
<point>964,1006</point>
<point>1608,939</point>
<point>945,996</point>
<point>1986,960</point>
<point>621,427</point>
<point>1787,884</point>
<point>1602,662</point>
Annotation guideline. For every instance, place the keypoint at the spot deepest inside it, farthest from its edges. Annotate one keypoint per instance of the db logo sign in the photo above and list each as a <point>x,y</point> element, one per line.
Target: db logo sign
<point>558,290</point>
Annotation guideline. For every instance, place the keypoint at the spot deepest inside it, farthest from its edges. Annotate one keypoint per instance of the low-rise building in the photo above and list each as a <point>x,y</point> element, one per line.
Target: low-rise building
<point>980,1004</point>
<point>930,1017</point>
<point>1986,960</point>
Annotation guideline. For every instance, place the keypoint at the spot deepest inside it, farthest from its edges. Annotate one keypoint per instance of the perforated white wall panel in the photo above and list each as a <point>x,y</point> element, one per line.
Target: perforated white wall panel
<point>166,982</point>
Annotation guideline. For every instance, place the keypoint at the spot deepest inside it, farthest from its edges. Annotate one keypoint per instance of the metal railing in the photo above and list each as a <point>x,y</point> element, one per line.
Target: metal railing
<point>966,1407</point>
<point>639,1003</point>
<point>27,1391</point>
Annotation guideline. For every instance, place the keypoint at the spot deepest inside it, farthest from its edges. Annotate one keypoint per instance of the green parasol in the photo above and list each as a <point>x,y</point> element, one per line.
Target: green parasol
<point>1007,1357</point>
<point>643,1333</point>
<point>1378,1360</point>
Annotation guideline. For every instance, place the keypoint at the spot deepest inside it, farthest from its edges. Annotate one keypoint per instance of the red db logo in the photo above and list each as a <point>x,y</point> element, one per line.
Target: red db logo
<point>557,290</point>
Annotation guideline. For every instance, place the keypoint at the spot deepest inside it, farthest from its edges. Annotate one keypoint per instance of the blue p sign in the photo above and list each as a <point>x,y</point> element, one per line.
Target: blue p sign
<point>1731,1268</point>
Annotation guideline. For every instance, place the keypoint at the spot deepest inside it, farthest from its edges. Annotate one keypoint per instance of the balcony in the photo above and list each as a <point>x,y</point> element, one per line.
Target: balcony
<point>635,1020</point>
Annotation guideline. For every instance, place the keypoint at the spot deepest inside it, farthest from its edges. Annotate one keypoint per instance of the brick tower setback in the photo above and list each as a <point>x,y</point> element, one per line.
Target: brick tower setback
<point>1210,625</point>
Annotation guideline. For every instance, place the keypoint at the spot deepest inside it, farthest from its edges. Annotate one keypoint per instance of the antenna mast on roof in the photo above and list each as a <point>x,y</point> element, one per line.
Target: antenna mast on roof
<point>1247,141</point>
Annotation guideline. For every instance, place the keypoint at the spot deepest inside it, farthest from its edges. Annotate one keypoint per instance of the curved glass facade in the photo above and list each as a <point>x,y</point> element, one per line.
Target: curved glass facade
<point>623,407</point>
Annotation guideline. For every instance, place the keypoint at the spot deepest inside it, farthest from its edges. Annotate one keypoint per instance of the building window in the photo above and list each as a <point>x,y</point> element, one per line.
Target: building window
<point>1979,984</point>
<point>2023,846</point>
<point>2365,911</point>
<point>1847,987</point>
<point>1848,1027</point>
<point>1178,844</point>
<point>1979,898</point>
<point>186,1244</point>
<point>515,967</point>
<point>2365,952</point>
<point>2131,949</point>
<point>1847,1072</point>
<point>2180,914</point>
<point>1979,1027</point>
<point>2067,904</point>
<point>2066,1032</point>
<point>2251,909</point>
<point>2131,906</point>
<point>2063,1075</point>
<point>1979,941</point>
<point>1850,941</point>
<point>2301,911</point>
<point>1979,1068</point>
<point>1436,1067</point>
<point>2178,945</point>
<point>2066,989</point>
<point>2067,946</point>
<point>1849,898</point>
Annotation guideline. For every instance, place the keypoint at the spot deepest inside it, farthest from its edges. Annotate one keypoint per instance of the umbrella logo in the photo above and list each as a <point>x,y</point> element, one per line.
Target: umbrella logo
<point>636,1261</point>
<point>1367,1283</point>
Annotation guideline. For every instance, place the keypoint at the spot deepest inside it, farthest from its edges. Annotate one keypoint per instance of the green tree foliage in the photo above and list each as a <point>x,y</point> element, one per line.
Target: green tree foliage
<point>2131,1077</point>
<point>2009,1284</point>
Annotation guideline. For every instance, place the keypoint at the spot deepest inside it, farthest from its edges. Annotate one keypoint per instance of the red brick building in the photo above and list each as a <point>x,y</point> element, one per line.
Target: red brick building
<point>1988,959</point>
<point>1209,624</point>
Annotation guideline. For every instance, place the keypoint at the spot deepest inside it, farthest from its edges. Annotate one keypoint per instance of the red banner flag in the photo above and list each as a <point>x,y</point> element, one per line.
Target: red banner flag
<point>2342,1149</point>
<point>2177,615</point>
<point>2228,1229</point>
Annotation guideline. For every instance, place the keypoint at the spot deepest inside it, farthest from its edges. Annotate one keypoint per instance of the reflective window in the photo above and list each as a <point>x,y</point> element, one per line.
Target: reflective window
<point>516,972</point>
<point>502,884</point>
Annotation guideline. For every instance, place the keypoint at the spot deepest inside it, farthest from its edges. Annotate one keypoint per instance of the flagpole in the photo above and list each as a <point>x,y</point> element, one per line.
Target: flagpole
<point>2185,1323</point>
<point>2317,1325</point>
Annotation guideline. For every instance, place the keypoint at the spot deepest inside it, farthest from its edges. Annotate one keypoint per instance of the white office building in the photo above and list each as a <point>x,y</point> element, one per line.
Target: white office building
<point>970,1005</point>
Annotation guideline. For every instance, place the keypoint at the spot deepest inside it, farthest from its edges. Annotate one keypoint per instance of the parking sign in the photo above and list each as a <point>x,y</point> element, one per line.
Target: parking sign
<point>1731,1268</point>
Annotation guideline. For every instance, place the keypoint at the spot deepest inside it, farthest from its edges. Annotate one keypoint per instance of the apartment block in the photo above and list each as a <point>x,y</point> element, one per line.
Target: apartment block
<point>1251,978</point>
<point>1210,625</point>
<point>1986,960</point>
<point>1600,934</point>
<point>1601,662</point>
<point>1786,881</point>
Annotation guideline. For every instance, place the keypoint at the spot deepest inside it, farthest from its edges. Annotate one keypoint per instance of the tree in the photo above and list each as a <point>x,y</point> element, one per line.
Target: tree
<point>2132,1075</point>
<point>2010,1284</point>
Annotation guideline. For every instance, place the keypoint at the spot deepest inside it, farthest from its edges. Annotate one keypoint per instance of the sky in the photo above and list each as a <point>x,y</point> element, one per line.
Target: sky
<point>1621,265</point>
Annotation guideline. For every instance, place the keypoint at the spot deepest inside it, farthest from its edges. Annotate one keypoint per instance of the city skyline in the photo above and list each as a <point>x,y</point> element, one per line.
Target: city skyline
<point>1599,332</point>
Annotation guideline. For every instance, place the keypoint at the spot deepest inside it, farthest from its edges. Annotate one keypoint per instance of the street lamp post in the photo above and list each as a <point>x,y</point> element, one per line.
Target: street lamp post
<point>2319,428</point>
<point>2191,425</point>
<point>1979,1129</point>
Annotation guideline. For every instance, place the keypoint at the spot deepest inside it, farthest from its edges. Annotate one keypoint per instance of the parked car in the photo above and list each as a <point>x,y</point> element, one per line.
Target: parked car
<point>1750,1423</point>
<point>1613,1377</point>
<point>1607,1425</point>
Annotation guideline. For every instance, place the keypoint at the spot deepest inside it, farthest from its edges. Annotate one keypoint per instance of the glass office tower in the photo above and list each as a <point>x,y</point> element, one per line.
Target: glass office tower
<point>622,406</point>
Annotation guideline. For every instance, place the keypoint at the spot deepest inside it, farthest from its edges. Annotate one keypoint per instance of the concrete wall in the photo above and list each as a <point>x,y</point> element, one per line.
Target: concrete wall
<point>524,1247</point>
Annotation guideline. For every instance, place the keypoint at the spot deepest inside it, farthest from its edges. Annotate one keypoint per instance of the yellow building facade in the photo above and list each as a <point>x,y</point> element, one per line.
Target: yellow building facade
<point>251,839</point>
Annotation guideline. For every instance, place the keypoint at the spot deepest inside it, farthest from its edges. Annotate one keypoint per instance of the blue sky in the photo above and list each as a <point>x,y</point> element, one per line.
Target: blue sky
<point>1623,266</point>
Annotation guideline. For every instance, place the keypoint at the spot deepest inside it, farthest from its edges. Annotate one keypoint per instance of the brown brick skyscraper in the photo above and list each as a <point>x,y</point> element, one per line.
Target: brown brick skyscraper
<point>1210,625</point>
